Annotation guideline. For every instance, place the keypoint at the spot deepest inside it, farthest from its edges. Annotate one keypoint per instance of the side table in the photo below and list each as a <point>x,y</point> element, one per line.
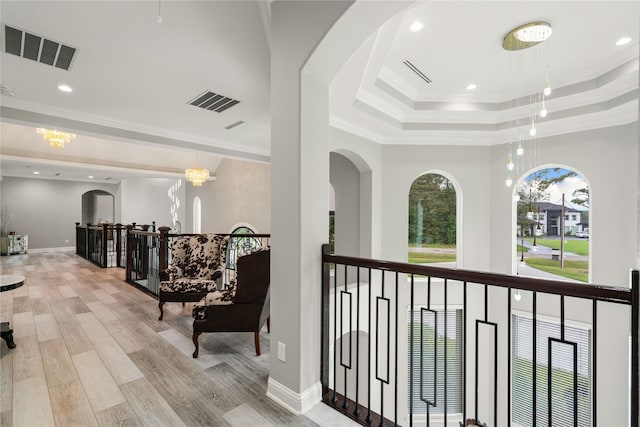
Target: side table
<point>7,283</point>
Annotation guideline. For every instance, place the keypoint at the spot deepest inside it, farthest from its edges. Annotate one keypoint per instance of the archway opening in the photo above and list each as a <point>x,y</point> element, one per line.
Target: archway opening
<point>98,207</point>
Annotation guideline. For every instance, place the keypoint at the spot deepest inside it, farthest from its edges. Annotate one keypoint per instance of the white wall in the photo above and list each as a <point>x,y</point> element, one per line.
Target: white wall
<point>241,193</point>
<point>46,210</point>
<point>345,179</point>
<point>103,208</point>
<point>468,168</point>
<point>145,200</point>
<point>366,156</point>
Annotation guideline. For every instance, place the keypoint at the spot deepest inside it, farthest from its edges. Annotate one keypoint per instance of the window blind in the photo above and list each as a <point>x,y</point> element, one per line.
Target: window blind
<point>449,340</point>
<point>562,373</point>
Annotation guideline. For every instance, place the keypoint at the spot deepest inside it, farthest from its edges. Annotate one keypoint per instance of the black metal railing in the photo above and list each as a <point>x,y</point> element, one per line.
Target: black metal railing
<point>103,244</point>
<point>399,340</point>
<point>148,253</point>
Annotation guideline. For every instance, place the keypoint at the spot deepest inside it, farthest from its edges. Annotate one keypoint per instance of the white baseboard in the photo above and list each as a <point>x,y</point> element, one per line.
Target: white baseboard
<point>61,249</point>
<point>297,403</point>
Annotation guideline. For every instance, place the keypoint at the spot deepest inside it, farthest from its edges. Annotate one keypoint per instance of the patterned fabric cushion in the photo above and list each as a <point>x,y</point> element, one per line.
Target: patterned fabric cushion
<point>174,272</point>
<point>188,285</point>
<point>205,256</point>
<point>180,251</point>
<point>221,297</point>
<point>199,311</point>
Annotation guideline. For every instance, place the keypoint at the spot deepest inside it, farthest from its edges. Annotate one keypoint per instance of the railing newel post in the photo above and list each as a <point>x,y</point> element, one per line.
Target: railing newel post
<point>87,242</point>
<point>324,335</point>
<point>105,246</point>
<point>129,238</point>
<point>119,245</point>
<point>163,262</point>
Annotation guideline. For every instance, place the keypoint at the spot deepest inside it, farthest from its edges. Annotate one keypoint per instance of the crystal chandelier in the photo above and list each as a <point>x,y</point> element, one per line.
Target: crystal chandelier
<point>521,39</point>
<point>55,138</point>
<point>196,176</point>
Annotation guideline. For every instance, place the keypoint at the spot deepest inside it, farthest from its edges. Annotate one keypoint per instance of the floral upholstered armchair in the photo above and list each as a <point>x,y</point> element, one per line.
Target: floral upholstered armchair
<point>196,263</point>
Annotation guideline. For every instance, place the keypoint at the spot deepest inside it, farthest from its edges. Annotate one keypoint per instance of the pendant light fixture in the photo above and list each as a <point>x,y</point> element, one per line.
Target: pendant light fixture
<point>56,138</point>
<point>197,175</point>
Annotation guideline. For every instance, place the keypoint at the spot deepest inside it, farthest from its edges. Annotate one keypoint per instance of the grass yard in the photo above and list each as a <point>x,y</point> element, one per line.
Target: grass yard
<point>428,257</point>
<point>578,270</point>
<point>432,245</point>
<point>520,248</point>
<point>580,247</point>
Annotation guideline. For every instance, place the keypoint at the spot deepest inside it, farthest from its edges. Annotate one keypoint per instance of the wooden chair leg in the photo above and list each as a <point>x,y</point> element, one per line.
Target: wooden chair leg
<point>195,341</point>
<point>256,337</point>
<point>269,324</point>
<point>160,304</point>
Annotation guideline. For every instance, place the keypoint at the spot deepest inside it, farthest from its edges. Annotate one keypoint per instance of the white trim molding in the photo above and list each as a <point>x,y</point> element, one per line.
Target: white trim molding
<point>297,403</point>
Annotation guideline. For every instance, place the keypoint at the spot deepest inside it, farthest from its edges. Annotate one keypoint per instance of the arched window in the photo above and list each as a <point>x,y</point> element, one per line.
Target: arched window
<point>553,238</point>
<point>240,245</point>
<point>197,215</point>
<point>432,220</point>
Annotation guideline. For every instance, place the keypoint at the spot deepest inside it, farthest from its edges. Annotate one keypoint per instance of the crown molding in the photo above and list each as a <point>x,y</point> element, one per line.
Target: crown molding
<point>30,112</point>
<point>31,118</point>
<point>349,127</point>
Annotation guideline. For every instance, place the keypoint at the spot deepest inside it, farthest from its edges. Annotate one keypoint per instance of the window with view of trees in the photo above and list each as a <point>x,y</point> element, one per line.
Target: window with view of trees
<point>432,220</point>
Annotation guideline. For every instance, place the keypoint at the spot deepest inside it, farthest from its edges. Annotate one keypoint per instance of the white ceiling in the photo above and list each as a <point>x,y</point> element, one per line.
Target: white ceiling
<point>595,82</point>
<point>133,78</point>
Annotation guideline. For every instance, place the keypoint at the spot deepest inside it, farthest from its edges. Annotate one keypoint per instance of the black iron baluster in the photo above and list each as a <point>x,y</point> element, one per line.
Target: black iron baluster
<point>594,375</point>
<point>635,348</point>
<point>446,351</point>
<point>464,351</point>
<point>435,352</point>
<point>396,359</point>
<point>369,417</point>
<point>535,359</point>
<point>411,327</point>
<point>345,404</point>
<point>334,399</point>
<point>356,411</point>
<point>509,357</point>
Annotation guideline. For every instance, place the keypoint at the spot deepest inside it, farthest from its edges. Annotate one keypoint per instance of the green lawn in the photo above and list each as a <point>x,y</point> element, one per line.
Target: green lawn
<point>578,270</point>
<point>580,247</point>
<point>520,248</point>
<point>427,257</point>
<point>561,385</point>
<point>432,245</point>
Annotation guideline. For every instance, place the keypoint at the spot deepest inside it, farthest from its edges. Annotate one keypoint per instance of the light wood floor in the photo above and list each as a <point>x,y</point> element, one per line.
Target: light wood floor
<point>91,351</point>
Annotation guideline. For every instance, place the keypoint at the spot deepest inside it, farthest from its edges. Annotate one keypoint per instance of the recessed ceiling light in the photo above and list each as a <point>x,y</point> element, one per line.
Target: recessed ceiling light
<point>65,88</point>
<point>623,41</point>
<point>90,176</point>
<point>416,26</point>
<point>471,86</point>
<point>36,173</point>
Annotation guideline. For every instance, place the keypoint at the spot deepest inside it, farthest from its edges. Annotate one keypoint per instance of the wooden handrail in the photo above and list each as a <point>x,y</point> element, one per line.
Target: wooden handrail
<point>555,287</point>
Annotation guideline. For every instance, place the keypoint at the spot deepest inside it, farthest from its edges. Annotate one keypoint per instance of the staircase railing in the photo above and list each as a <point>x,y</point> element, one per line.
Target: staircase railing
<point>406,343</point>
<point>148,253</point>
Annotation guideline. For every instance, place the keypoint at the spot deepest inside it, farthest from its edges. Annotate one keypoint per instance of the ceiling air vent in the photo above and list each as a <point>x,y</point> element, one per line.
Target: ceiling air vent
<point>232,125</point>
<point>213,102</point>
<point>38,48</point>
<point>416,70</point>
